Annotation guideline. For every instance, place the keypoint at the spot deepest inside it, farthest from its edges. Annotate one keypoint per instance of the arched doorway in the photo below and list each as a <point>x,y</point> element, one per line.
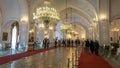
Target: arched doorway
<point>14,35</point>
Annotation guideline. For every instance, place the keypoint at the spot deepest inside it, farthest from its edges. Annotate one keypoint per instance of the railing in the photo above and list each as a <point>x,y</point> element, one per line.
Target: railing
<point>73,62</point>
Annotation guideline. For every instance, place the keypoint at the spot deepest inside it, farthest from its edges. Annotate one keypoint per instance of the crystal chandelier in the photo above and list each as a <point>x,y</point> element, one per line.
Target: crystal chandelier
<point>66,25</point>
<point>46,14</point>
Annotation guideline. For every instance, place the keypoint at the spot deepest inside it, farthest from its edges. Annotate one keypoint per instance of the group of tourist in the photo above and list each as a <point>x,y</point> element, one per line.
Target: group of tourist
<point>64,42</point>
<point>91,45</point>
<point>46,42</point>
<point>67,42</point>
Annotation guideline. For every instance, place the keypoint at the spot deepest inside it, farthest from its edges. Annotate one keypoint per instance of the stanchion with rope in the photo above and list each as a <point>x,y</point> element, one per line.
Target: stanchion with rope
<point>68,62</point>
<point>72,60</point>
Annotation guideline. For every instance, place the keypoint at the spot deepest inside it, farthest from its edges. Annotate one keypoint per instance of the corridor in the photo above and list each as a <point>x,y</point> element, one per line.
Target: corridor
<point>30,31</point>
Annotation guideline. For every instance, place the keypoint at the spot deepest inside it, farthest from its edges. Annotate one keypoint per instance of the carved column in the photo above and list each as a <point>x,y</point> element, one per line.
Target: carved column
<point>41,34</point>
<point>0,33</point>
<point>51,37</point>
<point>24,32</point>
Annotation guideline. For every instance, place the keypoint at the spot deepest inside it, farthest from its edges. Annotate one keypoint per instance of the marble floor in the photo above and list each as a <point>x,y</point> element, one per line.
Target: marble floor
<point>112,63</point>
<point>56,58</point>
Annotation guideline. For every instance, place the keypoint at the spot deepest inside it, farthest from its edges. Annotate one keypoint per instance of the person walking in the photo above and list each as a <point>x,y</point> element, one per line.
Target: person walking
<point>55,43</point>
<point>87,43</point>
<point>72,42</point>
<point>96,47</point>
<point>47,43</point>
<point>63,42</point>
<point>34,45</point>
<point>92,46</point>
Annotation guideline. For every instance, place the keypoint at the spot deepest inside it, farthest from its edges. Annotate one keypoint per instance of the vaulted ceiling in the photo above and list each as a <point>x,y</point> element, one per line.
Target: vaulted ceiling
<point>82,10</point>
<point>87,7</point>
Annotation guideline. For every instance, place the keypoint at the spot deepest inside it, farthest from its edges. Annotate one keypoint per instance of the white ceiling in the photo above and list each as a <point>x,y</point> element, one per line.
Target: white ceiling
<point>87,7</point>
<point>83,10</point>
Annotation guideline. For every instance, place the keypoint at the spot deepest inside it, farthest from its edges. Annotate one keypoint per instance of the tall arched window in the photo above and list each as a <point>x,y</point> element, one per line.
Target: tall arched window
<point>14,37</point>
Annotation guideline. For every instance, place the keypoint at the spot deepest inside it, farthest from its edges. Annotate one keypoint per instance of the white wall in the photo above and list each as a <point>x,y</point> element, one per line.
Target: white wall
<point>114,8</point>
<point>10,10</point>
<point>14,10</point>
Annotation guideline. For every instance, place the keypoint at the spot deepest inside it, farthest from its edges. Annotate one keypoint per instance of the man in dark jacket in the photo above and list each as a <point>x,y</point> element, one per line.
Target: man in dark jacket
<point>92,46</point>
<point>45,42</point>
<point>63,42</point>
<point>55,43</point>
<point>87,44</point>
<point>96,47</point>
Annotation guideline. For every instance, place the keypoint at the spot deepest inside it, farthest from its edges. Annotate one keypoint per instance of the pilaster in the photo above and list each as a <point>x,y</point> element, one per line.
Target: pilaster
<point>104,29</point>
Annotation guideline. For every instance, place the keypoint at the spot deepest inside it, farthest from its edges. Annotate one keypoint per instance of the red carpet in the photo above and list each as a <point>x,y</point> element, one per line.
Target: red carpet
<point>92,61</point>
<point>9,58</point>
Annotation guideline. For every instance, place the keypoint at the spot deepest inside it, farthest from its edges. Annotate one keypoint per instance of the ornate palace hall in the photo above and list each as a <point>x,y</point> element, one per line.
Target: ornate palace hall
<point>59,34</point>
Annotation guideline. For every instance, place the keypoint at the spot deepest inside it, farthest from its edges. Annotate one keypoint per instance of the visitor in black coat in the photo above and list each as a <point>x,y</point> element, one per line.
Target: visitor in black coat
<point>68,42</point>
<point>76,42</point>
<point>92,46</point>
<point>72,42</point>
<point>96,47</point>
<point>63,42</point>
<point>55,43</point>
<point>87,44</point>
<point>34,45</point>
<point>45,42</point>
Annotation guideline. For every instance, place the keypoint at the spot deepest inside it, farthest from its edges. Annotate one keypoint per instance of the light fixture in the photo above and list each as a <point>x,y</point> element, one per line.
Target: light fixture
<point>103,17</point>
<point>66,26</point>
<point>83,36</point>
<point>31,31</point>
<point>46,13</point>
<point>51,28</point>
<point>115,29</point>
<point>24,19</point>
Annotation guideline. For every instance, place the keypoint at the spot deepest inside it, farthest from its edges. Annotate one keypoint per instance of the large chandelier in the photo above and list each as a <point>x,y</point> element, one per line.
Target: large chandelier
<point>65,26</point>
<point>46,13</point>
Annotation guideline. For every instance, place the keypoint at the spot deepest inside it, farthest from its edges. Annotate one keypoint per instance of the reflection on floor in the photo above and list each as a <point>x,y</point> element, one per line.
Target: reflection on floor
<point>9,51</point>
<point>56,58</point>
<point>112,63</point>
